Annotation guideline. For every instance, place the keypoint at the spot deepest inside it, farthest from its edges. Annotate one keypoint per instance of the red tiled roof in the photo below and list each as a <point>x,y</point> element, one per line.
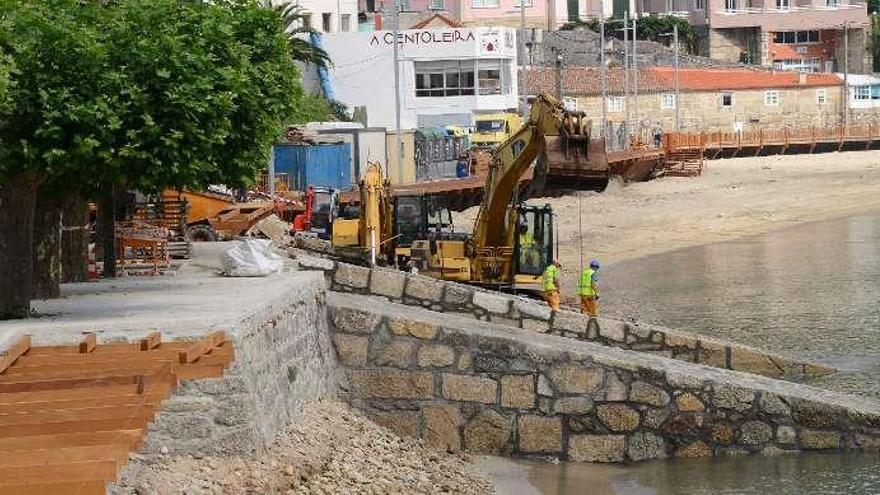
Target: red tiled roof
<point>438,16</point>
<point>720,79</point>
<point>581,81</point>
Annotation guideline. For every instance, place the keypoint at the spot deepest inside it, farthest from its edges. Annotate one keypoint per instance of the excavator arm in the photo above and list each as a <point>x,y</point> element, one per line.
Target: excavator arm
<point>493,234</point>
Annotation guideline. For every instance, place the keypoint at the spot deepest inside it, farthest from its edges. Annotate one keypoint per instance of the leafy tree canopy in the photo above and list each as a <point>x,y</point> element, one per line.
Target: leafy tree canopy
<point>144,94</point>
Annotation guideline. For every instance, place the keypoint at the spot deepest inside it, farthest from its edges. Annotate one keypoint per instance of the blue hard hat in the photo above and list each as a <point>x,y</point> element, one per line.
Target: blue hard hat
<point>594,264</point>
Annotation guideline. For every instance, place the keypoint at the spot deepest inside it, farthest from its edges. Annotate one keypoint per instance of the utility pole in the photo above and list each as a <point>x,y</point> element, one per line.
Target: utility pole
<point>602,76</point>
<point>845,75</point>
<point>677,84</point>
<point>398,147</point>
<point>522,43</point>
<point>626,75</point>
<point>636,85</point>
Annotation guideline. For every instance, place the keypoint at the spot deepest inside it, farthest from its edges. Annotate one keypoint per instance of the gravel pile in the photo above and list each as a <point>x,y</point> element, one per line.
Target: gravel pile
<point>331,449</point>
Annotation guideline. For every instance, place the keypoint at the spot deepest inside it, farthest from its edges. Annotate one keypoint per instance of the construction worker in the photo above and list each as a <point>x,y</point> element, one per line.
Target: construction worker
<point>528,254</point>
<point>588,289</point>
<point>551,284</point>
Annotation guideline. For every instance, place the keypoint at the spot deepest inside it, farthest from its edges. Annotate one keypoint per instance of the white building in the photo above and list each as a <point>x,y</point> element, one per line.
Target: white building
<point>329,16</point>
<point>446,75</point>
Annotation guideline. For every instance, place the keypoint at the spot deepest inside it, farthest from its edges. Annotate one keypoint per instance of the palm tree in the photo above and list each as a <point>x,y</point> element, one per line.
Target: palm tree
<point>302,48</point>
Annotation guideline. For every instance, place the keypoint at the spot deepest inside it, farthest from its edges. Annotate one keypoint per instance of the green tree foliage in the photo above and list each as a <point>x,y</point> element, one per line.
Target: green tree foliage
<point>653,28</point>
<point>134,94</point>
<point>875,41</point>
<point>299,35</point>
<point>873,6</point>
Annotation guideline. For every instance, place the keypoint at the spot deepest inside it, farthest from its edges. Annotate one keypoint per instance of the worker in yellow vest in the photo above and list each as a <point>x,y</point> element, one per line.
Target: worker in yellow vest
<point>529,258</point>
<point>589,290</point>
<point>551,284</point>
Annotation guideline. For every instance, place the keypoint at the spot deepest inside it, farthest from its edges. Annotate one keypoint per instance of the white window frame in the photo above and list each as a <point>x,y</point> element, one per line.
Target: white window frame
<point>518,5</point>
<point>615,104</point>
<point>444,69</point>
<point>485,4</point>
<point>730,5</point>
<point>821,96</point>
<point>832,4</point>
<point>861,93</point>
<point>435,5</point>
<point>721,99</point>
<point>783,4</point>
<point>771,98</point>
<point>699,4</point>
<point>667,101</point>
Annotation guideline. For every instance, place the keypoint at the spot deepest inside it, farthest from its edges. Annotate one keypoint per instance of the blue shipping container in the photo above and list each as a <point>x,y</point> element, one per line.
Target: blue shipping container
<point>324,165</point>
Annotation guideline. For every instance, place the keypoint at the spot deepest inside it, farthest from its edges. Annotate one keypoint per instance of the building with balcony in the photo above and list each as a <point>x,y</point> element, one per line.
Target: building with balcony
<point>802,35</point>
<point>329,16</point>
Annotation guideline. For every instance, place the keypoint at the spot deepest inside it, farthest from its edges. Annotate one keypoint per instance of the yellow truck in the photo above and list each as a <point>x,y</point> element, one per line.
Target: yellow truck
<point>492,129</point>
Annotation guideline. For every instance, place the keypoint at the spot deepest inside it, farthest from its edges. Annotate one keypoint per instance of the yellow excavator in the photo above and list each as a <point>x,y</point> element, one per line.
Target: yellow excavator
<point>369,235</point>
<point>512,243</point>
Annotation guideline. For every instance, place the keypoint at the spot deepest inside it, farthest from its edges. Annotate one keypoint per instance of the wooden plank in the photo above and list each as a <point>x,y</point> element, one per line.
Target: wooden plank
<point>90,368</point>
<point>103,348</point>
<point>14,352</point>
<point>38,457</point>
<point>201,347</point>
<point>87,414</point>
<point>131,423</point>
<point>130,437</point>
<point>198,372</point>
<point>97,487</point>
<point>73,361</point>
<point>55,473</point>
<point>88,343</point>
<point>60,405</point>
<point>151,341</point>
<point>164,351</point>
<point>24,383</point>
<point>84,393</point>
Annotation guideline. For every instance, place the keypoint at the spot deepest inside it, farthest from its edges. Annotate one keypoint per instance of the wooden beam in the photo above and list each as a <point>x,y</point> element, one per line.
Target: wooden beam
<point>201,347</point>
<point>85,393</point>
<point>131,423</point>
<point>59,473</point>
<point>9,356</point>
<point>60,405</point>
<point>151,341</point>
<point>88,414</point>
<point>97,487</point>
<point>129,437</point>
<point>88,344</point>
<point>36,457</point>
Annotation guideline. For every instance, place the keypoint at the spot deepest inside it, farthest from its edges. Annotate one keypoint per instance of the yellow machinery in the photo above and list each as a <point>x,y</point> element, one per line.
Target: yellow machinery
<point>492,129</point>
<point>368,236</point>
<point>511,243</point>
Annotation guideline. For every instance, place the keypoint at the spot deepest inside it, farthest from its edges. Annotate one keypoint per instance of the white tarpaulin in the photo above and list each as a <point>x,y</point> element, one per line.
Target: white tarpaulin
<point>251,258</point>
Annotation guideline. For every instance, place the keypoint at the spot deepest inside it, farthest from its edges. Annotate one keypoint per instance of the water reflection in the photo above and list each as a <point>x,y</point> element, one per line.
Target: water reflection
<point>811,291</point>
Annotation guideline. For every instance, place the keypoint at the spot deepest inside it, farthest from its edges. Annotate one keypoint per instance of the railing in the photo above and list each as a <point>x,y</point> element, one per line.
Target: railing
<point>786,10</point>
<point>771,137</point>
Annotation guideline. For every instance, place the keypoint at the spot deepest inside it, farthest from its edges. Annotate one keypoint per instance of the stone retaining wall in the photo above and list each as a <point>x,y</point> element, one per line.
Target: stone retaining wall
<point>462,384</point>
<point>283,359</point>
<point>449,297</point>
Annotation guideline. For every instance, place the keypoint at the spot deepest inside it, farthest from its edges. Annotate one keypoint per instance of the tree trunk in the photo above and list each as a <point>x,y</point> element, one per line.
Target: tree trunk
<point>18,197</point>
<point>47,247</point>
<point>106,229</point>
<point>75,241</point>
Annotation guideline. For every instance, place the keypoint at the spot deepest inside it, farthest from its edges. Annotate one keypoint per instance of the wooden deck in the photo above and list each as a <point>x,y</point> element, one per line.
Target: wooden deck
<point>70,415</point>
<point>775,141</point>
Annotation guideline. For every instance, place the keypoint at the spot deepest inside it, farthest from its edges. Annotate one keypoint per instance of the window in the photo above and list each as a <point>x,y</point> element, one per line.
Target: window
<point>307,21</point>
<point>489,77</point>
<point>832,3</point>
<point>783,4</point>
<point>699,4</point>
<point>326,22</point>
<point>615,104</point>
<point>821,97</point>
<point>444,78</point>
<point>726,100</point>
<point>436,5</point>
<point>517,3</point>
<point>570,104</point>
<point>790,37</point>
<point>482,4</point>
<point>667,101</point>
<point>861,92</point>
<point>346,23</point>
<point>771,98</point>
<point>808,65</point>
<point>730,5</point>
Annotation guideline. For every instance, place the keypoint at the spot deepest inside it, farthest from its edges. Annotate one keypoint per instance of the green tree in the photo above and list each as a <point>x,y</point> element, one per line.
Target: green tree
<point>299,35</point>
<point>132,95</point>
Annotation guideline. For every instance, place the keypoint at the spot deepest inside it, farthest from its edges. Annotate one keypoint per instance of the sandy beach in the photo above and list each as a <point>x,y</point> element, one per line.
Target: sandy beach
<point>733,198</point>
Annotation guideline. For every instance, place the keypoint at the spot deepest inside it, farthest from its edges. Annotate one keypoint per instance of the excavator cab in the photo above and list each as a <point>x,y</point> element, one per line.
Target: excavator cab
<point>418,217</point>
<point>533,248</point>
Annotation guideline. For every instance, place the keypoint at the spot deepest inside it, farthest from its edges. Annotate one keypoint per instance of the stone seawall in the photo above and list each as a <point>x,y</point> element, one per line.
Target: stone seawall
<point>449,297</point>
<point>462,384</point>
<point>284,358</point>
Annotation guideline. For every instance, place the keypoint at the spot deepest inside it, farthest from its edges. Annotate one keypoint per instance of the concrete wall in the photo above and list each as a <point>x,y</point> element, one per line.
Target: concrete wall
<point>462,384</point>
<point>283,359</point>
<point>533,316</point>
